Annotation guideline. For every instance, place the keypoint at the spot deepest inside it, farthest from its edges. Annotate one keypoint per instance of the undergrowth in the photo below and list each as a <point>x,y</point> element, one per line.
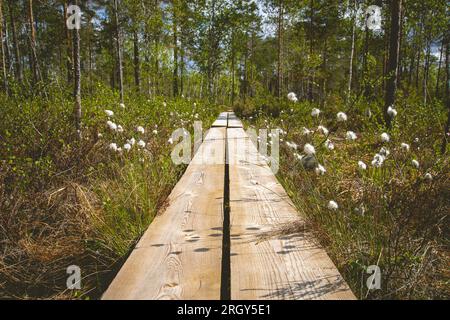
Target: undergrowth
<point>68,202</point>
<point>394,216</point>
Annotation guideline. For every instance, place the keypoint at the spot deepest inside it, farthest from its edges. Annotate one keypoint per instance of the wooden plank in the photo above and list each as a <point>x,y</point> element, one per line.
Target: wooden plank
<point>233,121</point>
<point>179,256</point>
<point>222,120</point>
<point>267,262</point>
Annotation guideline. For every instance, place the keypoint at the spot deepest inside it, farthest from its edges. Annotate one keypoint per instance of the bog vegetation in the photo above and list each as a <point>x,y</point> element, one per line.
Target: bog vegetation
<point>361,103</point>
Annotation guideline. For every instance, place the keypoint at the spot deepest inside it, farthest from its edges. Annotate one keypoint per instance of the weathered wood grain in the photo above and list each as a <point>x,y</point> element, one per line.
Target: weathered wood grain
<point>179,256</point>
<point>269,261</point>
<point>233,121</point>
<point>221,120</point>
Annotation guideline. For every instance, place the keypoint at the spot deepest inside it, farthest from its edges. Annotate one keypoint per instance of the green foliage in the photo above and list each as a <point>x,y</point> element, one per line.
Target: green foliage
<point>391,216</point>
<point>64,201</point>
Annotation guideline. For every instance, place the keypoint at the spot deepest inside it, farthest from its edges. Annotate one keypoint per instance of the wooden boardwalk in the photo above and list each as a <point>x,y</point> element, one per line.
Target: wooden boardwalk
<point>187,254</point>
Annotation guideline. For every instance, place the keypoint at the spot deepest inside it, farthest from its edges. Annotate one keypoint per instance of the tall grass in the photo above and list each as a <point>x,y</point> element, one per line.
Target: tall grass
<point>65,202</point>
<point>392,216</point>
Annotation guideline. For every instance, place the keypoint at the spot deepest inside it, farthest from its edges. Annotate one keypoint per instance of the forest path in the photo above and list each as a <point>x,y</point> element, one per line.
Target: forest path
<point>229,232</point>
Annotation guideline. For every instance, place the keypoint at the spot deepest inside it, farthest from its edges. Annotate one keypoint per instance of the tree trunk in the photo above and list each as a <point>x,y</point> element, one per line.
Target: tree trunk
<point>447,98</point>
<point>311,50</point>
<point>68,46</point>
<point>233,67</point>
<point>394,47</point>
<point>323,86</point>
<point>90,63</point>
<point>113,74</point>
<point>280,49</point>
<point>136,62</point>
<point>400,54</point>
<point>182,64</point>
<point>352,53</point>
<point>245,81</point>
<point>411,62</point>
<point>365,68</point>
<point>119,49</point>
<point>175,50</point>
<point>77,76</point>
<point>2,52</point>
<point>33,55</point>
<point>7,45</point>
<point>419,50</point>
<point>438,76</point>
<point>251,62</point>
<point>211,59</point>
<point>426,72</point>
<point>156,79</point>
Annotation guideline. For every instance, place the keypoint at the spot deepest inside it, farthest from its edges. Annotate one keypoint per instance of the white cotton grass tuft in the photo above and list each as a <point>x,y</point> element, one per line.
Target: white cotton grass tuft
<point>392,112</point>
<point>141,144</point>
<point>315,113</point>
<point>320,170</point>
<point>341,117</point>
<point>127,147</point>
<point>292,145</point>
<point>361,209</point>
<point>292,97</point>
<point>323,130</point>
<point>140,129</point>
<point>332,205</point>
<point>329,145</point>
<point>155,132</point>
<point>122,106</point>
<point>351,136</point>
<point>281,131</point>
<point>306,131</point>
<point>120,128</point>
<point>362,165</point>
<point>406,147</point>
<point>109,113</point>
<point>309,149</point>
<point>170,141</point>
<point>113,147</point>
<point>384,152</point>
<point>385,137</point>
<point>131,141</point>
<point>416,164</point>
<point>112,126</point>
<point>428,177</point>
<point>378,160</point>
